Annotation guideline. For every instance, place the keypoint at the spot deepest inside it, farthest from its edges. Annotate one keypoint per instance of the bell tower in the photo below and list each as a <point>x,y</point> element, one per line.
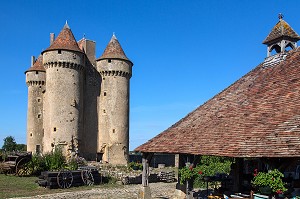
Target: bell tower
<point>281,37</point>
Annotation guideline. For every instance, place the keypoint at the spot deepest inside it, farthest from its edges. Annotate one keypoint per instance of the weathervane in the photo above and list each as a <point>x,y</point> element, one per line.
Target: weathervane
<point>280,16</point>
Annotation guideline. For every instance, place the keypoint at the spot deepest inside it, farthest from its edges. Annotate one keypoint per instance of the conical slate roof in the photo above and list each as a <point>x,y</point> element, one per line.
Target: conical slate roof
<point>281,29</point>
<point>113,50</point>
<point>257,116</point>
<point>64,41</point>
<point>38,65</point>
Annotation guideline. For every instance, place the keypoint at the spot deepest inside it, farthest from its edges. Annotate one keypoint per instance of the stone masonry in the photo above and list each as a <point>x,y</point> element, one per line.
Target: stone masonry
<point>77,102</point>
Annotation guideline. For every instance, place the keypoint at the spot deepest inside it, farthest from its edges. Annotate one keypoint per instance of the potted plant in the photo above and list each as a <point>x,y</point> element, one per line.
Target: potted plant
<point>269,182</point>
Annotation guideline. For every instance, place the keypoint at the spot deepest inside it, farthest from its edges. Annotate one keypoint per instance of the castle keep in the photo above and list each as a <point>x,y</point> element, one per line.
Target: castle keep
<point>77,102</point>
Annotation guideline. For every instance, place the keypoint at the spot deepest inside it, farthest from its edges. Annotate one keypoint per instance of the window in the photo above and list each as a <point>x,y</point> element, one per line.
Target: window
<point>37,72</point>
<point>109,60</point>
<point>39,115</point>
<point>59,51</point>
<point>54,129</point>
<point>114,130</point>
<point>104,93</point>
<point>38,149</point>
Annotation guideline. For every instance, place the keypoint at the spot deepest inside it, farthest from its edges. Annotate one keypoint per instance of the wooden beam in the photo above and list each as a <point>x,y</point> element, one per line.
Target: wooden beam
<point>146,162</point>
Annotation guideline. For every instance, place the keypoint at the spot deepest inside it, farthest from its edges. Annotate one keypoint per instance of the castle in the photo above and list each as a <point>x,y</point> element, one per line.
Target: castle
<point>77,102</point>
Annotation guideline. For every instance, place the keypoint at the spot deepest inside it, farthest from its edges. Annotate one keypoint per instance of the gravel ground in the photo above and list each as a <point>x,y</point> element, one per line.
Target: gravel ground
<point>158,190</point>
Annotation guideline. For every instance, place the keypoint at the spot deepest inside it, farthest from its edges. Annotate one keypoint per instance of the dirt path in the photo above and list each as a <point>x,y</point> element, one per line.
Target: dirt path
<point>158,190</point>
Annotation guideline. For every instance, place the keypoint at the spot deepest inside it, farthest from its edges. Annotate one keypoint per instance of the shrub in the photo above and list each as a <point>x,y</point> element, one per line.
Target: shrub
<point>135,166</point>
<point>272,179</point>
<point>54,160</point>
<point>208,166</point>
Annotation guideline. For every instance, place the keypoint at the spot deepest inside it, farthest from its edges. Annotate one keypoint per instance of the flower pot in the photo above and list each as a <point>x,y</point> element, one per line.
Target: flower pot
<point>265,190</point>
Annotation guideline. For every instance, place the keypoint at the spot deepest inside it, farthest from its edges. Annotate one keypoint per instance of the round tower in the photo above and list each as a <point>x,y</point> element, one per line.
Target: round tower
<point>35,80</point>
<point>116,70</point>
<point>64,64</point>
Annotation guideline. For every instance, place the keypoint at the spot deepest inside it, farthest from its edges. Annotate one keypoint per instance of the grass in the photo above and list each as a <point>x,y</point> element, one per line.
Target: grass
<point>13,186</point>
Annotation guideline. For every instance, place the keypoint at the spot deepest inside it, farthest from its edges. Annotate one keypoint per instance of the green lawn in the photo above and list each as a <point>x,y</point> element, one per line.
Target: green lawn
<point>13,186</point>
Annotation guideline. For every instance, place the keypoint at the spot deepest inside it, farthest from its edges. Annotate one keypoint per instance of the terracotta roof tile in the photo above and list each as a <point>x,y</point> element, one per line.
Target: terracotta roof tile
<point>64,41</point>
<point>38,65</point>
<point>257,116</point>
<point>281,29</point>
<point>113,50</point>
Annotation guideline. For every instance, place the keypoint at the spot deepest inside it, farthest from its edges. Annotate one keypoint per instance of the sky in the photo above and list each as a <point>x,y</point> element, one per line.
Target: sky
<point>184,52</point>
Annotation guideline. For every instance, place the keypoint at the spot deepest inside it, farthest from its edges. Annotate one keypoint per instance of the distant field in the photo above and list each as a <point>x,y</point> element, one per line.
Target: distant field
<point>13,186</point>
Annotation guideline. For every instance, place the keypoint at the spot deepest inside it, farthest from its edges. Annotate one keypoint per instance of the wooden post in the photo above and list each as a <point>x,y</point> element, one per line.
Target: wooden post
<point>238,174</point>
<point>145,192</point>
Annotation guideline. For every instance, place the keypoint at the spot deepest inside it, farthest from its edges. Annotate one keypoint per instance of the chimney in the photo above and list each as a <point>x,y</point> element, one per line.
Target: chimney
<point>52,37</point>
<point>32,60</point>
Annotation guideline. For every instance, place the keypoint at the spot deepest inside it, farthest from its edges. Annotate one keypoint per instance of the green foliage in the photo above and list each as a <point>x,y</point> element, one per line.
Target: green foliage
<point>54,160</point>
<point>73,163</point>
<point>9,144</point>
<point>135,166</point>
<point>272,179</point>
<point>187,173</point>
<point>208,166</point>
<point>21,147</point>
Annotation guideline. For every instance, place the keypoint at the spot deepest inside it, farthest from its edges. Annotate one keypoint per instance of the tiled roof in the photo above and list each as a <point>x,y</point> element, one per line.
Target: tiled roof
<point>64,41</point>
<point>257,116</point>
<point>113,50</point>
<point>281,29</point>
<point>38,65</point>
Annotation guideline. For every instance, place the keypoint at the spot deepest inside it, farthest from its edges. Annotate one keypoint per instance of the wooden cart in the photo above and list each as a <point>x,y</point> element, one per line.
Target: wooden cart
<point>65,178</point>
<point>16,163</point>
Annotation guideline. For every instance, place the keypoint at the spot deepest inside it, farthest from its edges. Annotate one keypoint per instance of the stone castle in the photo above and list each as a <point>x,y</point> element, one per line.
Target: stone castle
<point>77,102</point>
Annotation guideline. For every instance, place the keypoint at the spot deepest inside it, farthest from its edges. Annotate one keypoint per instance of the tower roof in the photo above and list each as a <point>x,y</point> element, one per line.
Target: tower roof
<point>113,50</point>
<point>281,29</point>
<point>38,65</point>
<point>64,41</point>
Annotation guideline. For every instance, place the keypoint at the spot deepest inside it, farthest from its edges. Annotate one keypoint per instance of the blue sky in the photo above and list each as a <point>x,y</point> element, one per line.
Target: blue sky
<point>184,52</point>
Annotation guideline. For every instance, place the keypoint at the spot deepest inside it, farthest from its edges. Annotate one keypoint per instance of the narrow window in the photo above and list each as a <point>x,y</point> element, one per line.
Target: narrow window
<point>104,93</point>
<point>39,100</point>
<point>39,115</point>
<point>114,130</point>
<point>30,134</point>
<point>38,149</point>
<point>59,51</point>
<point>104,111</point>
<point>54,129</point>
<point>109,60</point>
<point>37,72</point>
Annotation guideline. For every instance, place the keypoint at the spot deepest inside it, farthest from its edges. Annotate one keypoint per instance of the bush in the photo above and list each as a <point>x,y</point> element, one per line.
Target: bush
<point>135,166</point>
<point>54,160</point>
<point>272,179</point>
<point>208,166</point>
<point>75,162</point>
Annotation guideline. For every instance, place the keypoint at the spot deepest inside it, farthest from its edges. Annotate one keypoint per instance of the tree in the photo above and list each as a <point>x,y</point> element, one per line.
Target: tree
<point>21,147</point>
<point>9,144</point>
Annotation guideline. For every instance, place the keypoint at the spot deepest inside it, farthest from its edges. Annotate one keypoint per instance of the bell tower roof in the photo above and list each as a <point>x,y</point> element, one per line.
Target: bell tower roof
<point>113,50</point>
<point>280,30</point>
<point>281,37</point>
<point>64,41</point>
